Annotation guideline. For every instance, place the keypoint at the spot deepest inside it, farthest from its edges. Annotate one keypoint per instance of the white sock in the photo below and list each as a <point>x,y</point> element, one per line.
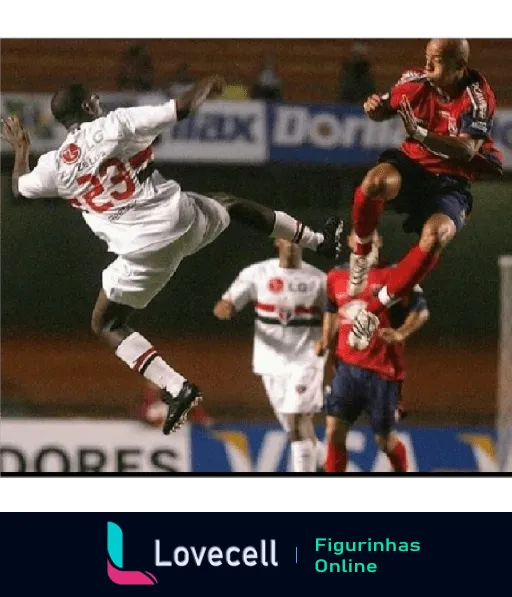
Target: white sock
<point>141,356</point>
<point>289,228</point>
<point>303,456</point>
<point>321,454</point>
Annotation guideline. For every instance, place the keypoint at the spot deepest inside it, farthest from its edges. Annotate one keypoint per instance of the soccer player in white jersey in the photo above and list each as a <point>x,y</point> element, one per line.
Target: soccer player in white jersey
<point>289,297</point>
<point>105,168</point>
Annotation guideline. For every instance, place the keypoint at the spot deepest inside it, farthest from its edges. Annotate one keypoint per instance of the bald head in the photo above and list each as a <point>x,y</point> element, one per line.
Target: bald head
<point>446,61</point>
<point>456,49</point>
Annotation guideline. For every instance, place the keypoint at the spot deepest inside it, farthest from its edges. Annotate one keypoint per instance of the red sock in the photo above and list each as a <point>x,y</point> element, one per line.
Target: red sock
<point>336,461</point>
<point>411,270</point>
<point>398,458</point>
<point>366,212</point>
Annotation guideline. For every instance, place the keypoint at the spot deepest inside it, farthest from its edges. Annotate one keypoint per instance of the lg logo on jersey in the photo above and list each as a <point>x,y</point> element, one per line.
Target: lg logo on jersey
<point>277,285</point>
<point>301,286</point>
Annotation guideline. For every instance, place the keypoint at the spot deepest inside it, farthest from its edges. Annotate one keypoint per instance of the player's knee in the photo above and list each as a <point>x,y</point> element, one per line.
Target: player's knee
<point>99,326</point>
<point>226,200</point>
<point>437,233</point>
<point>103,324</point>
<point>445,232</point>
<point>381,181</point>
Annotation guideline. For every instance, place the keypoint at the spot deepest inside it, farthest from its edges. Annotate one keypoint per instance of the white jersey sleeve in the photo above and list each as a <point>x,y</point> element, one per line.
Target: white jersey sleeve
<point>243,290</point>
<point>146,121</point>
<point>42,180</point>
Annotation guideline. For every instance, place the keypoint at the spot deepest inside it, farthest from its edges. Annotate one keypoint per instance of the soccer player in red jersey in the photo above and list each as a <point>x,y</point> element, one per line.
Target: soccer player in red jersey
<point>447,110</point>
<point>369,380</point>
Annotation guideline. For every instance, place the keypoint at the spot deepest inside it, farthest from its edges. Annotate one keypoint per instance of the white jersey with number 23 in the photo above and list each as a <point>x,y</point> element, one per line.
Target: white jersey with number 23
<point>105,169</point>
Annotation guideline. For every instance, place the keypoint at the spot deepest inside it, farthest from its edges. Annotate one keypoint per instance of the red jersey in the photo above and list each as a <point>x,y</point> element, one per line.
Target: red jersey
<point>470,112</point>
<point>385,359</point>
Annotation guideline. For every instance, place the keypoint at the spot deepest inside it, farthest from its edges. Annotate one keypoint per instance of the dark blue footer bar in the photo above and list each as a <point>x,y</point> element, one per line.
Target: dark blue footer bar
<point>252,554</point>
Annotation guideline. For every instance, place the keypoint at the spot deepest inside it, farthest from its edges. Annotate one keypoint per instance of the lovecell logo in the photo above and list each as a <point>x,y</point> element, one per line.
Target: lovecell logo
<point>115,561</point>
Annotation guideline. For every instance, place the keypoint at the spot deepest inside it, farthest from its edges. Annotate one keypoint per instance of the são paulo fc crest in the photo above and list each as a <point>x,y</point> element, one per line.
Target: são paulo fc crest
<point>276,285</point>
<point>71,154</point>
<point>285,315</point>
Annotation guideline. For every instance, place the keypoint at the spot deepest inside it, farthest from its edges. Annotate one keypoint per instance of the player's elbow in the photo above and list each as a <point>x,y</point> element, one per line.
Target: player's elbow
<point>424,315</point>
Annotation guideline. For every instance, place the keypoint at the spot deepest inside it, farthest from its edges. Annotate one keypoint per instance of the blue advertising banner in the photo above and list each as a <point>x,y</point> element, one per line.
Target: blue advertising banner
<point>323,134</point>
<point>88,446</point>
<point>264,448</point>
<point>343,135</point>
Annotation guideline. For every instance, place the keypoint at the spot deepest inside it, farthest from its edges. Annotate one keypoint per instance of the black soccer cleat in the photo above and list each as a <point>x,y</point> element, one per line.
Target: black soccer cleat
<point>180,406</point>
<point>333,241</point>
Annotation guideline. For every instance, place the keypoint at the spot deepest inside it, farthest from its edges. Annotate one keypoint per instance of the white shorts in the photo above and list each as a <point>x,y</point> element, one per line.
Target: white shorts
<point>299,390</point>
<point>136,279</point>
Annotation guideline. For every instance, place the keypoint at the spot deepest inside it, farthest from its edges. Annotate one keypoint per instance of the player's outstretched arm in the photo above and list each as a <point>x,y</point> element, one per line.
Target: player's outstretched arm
<point>192,99</point>
<point>151,121</point>
<point>14,133</point>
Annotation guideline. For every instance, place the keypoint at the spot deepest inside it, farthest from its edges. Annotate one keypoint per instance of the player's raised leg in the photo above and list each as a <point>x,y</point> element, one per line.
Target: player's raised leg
<point>437,232</point>
<point>421,259</point>
<point>278,224</point>
<point>110,324</point>
<point>380,184</point>
<point>129,285</point>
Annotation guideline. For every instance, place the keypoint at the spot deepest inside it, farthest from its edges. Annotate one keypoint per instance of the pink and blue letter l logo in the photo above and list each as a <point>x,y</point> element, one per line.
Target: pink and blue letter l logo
<point>115,561</point>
